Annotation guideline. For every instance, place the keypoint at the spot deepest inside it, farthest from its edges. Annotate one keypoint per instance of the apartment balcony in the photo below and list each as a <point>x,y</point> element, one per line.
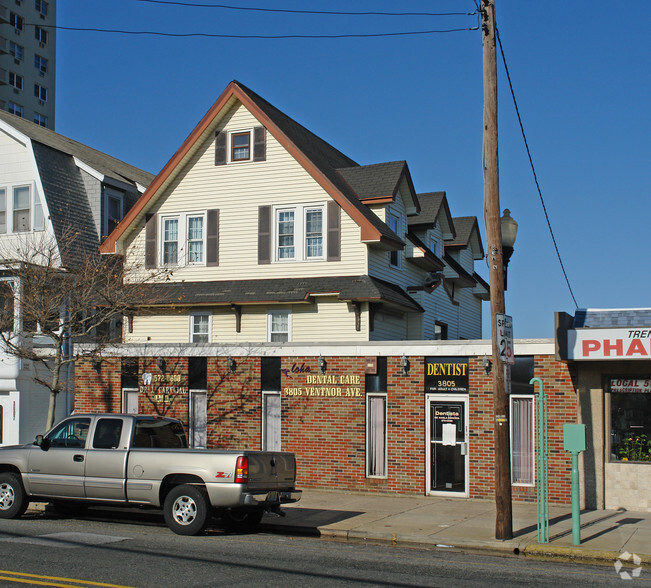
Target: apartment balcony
<point>4,14</point>
<point>3,46</point>
<point>4,78</point>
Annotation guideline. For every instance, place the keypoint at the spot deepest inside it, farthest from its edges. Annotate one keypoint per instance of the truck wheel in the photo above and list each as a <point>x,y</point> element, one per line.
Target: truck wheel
<point>13,498</point>
<point>186,510</point>
<point>242,519</point>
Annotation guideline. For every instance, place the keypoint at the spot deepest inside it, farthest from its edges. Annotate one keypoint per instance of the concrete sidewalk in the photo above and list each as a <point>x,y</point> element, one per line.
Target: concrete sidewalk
<point>467,525</point>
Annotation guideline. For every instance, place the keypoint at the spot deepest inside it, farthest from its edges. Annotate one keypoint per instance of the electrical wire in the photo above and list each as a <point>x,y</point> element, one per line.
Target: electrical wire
<point>533,169</point>
<point>227,36</point>
<point>290,11</point>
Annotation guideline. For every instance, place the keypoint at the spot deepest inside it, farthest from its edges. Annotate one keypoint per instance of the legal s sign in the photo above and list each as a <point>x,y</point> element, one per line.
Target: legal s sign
<point>504,334</point>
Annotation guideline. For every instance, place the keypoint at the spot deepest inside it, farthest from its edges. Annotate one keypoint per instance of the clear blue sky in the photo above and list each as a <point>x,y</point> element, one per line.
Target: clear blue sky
<point>582,79</point>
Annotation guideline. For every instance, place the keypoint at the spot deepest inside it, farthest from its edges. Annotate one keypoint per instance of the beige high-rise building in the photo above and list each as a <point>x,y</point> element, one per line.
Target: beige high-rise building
<point>28,59</point>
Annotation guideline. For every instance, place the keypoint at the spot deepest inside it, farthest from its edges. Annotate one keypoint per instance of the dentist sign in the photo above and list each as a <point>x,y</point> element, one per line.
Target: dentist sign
<point>605,344</point>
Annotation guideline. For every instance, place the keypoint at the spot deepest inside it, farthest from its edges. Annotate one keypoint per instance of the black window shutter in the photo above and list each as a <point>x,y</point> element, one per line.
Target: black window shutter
<point>212,238</point>
<point>150,240</point>
<point>220,148</point>
<point>264,234</point>
<point>334,231</point>
<point>259,144</point>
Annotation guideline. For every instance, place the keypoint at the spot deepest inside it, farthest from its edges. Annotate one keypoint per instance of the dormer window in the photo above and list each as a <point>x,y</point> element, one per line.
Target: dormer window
<point>241,146</point>
<point>394,225</point>
<point>113,210</point>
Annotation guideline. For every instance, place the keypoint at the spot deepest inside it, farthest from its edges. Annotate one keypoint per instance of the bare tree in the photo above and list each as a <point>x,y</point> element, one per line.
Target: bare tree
<point>54,293</point>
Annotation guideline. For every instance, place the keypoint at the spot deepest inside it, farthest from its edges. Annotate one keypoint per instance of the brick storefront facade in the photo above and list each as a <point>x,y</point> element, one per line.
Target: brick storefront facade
<point>324,415</point>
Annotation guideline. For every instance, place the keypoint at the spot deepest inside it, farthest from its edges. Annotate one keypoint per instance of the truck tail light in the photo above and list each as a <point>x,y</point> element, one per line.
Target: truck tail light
<point>242,470</point>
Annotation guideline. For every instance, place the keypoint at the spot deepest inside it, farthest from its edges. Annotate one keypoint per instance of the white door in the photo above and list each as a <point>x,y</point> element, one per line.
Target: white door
<point>447,444</point>
<point>198,418</point>
<point>9,418</point>
<point>130,400</point>
<point>271,421</point>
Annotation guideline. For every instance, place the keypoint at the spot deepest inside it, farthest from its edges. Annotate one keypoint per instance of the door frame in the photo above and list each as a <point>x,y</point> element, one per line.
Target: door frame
<point>429,398</point>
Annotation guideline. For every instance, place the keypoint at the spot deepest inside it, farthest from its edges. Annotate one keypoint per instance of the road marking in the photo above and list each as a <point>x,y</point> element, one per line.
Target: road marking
<point>67,540</point>
<point>52,580</point>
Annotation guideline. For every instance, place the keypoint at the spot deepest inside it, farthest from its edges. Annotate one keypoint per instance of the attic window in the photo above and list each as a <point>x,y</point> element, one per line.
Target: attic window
<point>241,146</point>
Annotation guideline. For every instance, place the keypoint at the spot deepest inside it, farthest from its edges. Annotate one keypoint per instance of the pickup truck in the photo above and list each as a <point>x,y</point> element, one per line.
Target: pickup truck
<point>136,460</point>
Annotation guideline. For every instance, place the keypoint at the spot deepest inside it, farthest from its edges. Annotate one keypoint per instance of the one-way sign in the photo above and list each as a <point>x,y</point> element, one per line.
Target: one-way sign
<point>505,338</point>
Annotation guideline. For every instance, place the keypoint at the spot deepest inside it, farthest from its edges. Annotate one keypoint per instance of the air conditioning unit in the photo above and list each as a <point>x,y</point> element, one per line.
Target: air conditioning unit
<point>17,61</point>
<point>41,102</point>
<point>41,73</point>
<point>41,45</point>
<point>16,91</point>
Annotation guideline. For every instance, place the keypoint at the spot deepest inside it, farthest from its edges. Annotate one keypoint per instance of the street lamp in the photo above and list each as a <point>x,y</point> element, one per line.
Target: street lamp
<point>509,230</point>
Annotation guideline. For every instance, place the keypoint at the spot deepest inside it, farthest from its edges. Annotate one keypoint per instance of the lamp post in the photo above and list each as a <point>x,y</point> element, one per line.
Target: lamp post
<point>509,229</point>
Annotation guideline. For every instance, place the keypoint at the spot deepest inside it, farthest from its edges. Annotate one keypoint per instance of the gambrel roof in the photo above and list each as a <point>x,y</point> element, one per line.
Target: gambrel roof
<point>58,162</point>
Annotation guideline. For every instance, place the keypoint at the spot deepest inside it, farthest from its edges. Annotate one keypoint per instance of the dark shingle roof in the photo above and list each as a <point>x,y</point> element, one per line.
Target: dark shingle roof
<point>603,318</point>
<point>430,208</point>
<point>379,180</point>
<point>282,290</point>
<point>105,164</point>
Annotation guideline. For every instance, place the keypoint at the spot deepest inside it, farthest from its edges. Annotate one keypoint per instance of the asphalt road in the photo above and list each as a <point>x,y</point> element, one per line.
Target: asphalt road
<point>136,549</point>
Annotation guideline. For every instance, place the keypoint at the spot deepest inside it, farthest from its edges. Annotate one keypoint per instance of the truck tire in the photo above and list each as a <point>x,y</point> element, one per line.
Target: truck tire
<point>242,519</point>
<point>13,498</point>
<point>186,509</point>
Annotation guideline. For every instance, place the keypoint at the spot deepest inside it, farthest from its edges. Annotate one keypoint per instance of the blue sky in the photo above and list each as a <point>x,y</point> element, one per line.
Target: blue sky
<point>580,71</point>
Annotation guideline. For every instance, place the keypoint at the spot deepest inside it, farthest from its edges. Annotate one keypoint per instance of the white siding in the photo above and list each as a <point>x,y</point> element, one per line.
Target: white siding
<point>237,190</point>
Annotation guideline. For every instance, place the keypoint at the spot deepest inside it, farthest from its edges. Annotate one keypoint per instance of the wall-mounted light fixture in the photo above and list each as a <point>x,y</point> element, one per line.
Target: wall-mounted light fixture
<point>161,364</point>
<point>487,364</point>
<point>232,365</point>
<point>323,364</point>
<point>404,365</point>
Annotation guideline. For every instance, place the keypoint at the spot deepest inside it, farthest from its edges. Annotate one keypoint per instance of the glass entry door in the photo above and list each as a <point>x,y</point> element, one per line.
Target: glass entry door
<point>447,445</point>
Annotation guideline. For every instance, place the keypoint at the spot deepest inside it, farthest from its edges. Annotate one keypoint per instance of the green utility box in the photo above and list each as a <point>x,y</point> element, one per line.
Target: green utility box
<point>574,438</point>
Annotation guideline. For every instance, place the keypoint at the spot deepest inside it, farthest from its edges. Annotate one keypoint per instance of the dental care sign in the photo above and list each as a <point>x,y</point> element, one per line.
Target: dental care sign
<point>626,343</point>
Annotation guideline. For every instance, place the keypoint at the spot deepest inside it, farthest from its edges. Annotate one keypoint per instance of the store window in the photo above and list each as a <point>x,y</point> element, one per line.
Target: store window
<point>522,440</point>
<point>630,420</point>
<point>271,404</point>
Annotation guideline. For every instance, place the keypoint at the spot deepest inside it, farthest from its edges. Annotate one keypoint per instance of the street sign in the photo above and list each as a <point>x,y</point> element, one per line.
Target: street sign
<point>505,338</point>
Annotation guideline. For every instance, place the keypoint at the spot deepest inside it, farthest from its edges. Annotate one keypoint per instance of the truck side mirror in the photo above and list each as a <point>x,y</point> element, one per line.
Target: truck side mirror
<point>42,442</point>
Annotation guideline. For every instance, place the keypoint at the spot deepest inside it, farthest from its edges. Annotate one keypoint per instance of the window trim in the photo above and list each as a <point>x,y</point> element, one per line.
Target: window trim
<point>30,209</point>
<point>532,399</point>
<point>16,51</point>
<point>16,80</point>
<point>189,217</point>
<point>193,333</point>
<point>270,332</point>
<point>182,240</point>
<point>163,240</point>
<point>385,466</point>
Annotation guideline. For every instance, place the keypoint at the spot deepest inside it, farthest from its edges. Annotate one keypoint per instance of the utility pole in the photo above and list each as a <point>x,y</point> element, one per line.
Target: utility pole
<point>503,521</point>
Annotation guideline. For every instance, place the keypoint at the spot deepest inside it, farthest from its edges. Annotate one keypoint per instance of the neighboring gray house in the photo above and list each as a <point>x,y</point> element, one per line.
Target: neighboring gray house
<point>49,183</point>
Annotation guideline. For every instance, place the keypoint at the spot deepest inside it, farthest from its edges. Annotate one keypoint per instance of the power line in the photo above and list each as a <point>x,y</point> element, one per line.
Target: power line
<point>230,36</point>
<point>289,11</point>
<point>533,169</point>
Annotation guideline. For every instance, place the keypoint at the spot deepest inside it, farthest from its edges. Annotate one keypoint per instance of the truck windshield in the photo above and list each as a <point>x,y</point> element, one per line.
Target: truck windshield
<point>159,433</point>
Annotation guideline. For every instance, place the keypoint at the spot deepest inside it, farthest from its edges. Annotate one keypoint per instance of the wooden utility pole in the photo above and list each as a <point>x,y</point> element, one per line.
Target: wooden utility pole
<point>503,521</point>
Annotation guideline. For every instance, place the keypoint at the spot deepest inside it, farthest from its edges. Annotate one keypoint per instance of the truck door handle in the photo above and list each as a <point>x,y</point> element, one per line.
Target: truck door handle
<point>78,458</point>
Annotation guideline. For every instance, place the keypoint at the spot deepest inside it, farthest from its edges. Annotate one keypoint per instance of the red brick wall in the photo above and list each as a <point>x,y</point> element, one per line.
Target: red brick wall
<point>328,433</point>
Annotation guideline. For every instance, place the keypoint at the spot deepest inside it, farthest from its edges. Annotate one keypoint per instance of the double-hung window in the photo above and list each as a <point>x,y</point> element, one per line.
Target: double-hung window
<point>22,209</point>
<point>15,80</point>
<point>41,6</point>
<point>241,146</point>
<point>113,211</point>
<point>40,92</point>
<point>200,323</point>
<point>40,63</point>
<point>40,119</point>
<point>15,109</point>
<point>16,21</point>
<point>279,326</point>
<point>196,239</point>
<point>314,233</point>
<point>286,234</point>
<point>522,440</point>
<point>17,51</point>
<point>41,35</point>
<point>300,233</point>
<point>170,241</point>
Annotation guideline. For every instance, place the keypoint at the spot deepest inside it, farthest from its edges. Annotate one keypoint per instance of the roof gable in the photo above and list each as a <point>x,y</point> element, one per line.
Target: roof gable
<point>434,208</point>
<point>317,157</point>
<point>467,235</point>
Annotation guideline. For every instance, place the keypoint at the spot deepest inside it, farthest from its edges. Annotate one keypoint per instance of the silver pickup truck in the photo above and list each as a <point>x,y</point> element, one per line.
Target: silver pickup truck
<point>134,460</point>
